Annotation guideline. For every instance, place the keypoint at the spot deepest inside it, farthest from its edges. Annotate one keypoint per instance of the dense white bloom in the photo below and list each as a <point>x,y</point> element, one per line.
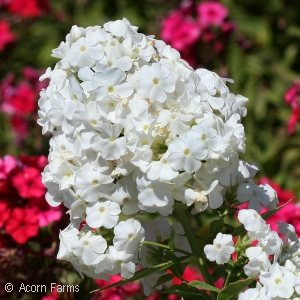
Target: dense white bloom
<point>221,249</point>
<point>135,130</point>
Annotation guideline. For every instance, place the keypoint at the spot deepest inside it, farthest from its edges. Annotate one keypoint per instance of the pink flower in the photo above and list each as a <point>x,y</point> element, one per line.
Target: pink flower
<point>54,295</point>
<point>48,216</point>
<point>179,29</point>
<point>6,36</point>
<point>22,225</point>
<point>6,91</point>
<point>211,13</point>
<point>7,164</point>
<point>118,293</point>
<point>294,118</point>
<point>291,96</point>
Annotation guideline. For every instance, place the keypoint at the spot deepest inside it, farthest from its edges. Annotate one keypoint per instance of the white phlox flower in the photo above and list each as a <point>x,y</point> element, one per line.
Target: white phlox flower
<point>251,219</point>
<point>221,249</point>
<point>89,247</point>
<point>278,282</point>
<point>155,82</point>
<point>128,234</point>
<point>256,195</point>
<point>108,142</point>
<point>110,83</point>
<point>119,262</point>
<point>103,213</point>
<point>93,184</point>
<point>186,153</point>
<point>85,52</point>
<point>67,237</point>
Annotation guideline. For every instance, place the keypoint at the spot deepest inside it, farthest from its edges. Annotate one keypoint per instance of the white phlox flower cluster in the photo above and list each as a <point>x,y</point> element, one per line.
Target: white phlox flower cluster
<point>134,130</point>
<point>274,260</point>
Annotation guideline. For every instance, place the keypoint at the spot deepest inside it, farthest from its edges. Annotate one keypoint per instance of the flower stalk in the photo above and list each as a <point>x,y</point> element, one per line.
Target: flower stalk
<point>185,222</point>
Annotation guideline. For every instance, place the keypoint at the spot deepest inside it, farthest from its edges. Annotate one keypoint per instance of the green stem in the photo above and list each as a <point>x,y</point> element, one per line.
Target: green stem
<point>166,247</point>
<point>197,251</point>
<point>227,281</point>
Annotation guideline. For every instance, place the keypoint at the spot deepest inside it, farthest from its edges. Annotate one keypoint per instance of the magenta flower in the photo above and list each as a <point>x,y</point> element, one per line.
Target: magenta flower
<point>179,29</point>
<point>6,36</point>
<point>211,13</point>
<point>291,97</point>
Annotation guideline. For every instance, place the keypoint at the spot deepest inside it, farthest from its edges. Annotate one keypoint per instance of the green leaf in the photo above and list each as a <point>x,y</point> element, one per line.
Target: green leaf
<point>164,278</point>
<point>270,213</point>
<point>183,290</point>
<point>234,288</point>
<point>200,296</point>
<point>241,229</point>
<point>218,273</point>
<point>202,285</point>
<point>144,272</point>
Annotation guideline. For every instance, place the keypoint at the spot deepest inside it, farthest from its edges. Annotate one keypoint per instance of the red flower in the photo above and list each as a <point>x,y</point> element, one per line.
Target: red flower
<point>19,125</point>
<point>24,99</point>
<point>34,161</point>
<point>28,8</point>
<point>6,36</point>
<point>4,212</point>
<point>22,225</point>
<point>29,183</point>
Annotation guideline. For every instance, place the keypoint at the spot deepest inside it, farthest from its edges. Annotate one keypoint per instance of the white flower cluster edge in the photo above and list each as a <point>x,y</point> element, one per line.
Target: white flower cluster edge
<point>134,130</point>
<point>274,260</point>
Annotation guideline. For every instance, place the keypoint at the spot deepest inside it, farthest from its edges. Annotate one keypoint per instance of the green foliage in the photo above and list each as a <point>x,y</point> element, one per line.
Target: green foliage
<point>234,288</point>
